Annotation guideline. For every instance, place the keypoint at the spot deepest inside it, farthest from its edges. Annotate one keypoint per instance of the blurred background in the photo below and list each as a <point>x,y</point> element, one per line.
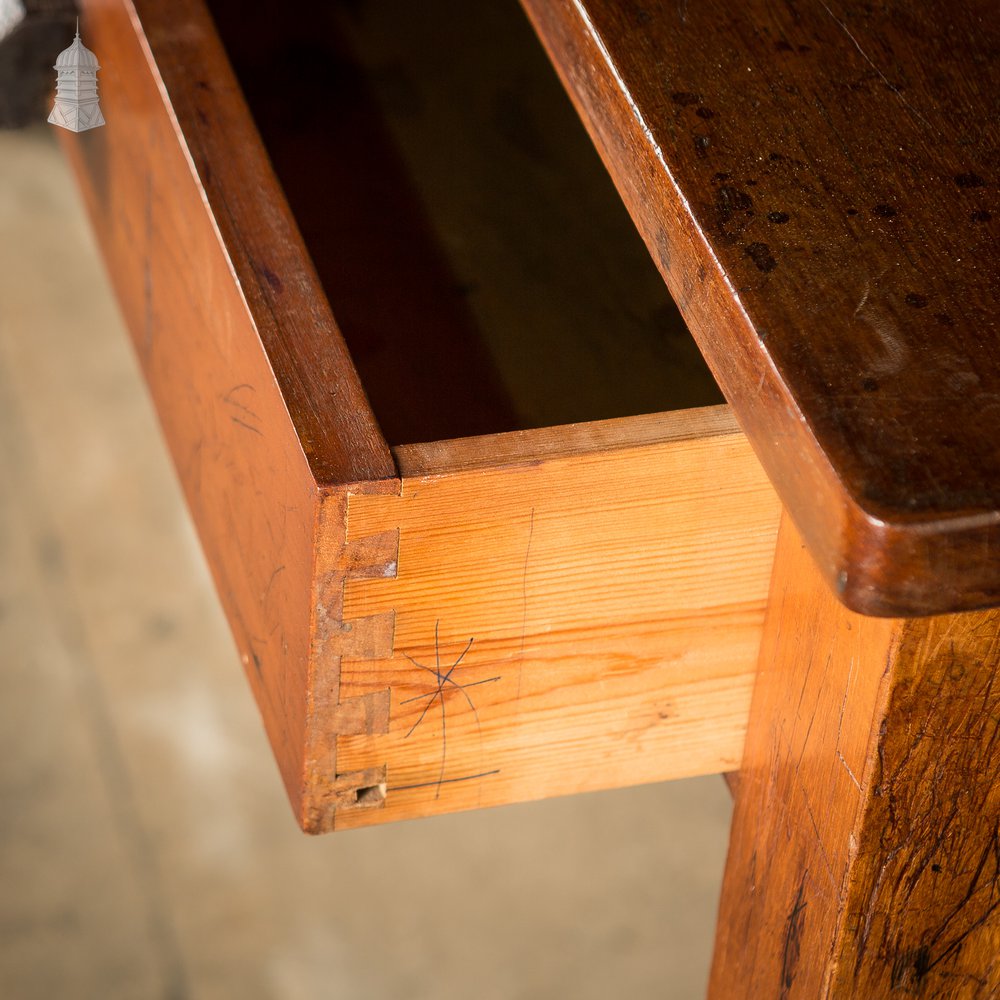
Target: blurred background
<point>146,846</point>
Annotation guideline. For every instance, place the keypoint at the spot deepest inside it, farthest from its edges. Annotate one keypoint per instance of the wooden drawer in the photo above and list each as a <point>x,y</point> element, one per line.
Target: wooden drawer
<point>508,612</point>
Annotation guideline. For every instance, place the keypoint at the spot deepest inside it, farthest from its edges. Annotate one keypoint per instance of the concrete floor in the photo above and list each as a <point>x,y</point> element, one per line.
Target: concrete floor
<point>146,847</point>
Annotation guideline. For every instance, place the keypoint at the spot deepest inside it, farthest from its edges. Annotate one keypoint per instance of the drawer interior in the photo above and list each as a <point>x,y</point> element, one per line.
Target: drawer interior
<point>476,256</point>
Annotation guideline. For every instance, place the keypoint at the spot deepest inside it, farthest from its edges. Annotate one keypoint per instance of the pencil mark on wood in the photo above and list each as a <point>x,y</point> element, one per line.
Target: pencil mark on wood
<point>230,398</point>
<point>524,604</point>
<point>246,414</point>
<point>446,781</point>
<point>270,584</point>
<point>443,680</point>
<point>249,427</point>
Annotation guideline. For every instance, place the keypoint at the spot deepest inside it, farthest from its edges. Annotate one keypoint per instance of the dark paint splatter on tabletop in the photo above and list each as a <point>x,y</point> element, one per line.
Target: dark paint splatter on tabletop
<point>730,200</point>
<point>760,254</point>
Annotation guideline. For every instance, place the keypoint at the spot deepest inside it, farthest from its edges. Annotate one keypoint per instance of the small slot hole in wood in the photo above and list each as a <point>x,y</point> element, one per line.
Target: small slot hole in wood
<point>370,795</point>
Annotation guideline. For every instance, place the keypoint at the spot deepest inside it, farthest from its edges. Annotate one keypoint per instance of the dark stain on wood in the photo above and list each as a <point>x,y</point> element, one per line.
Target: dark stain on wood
<point>277,285</point>
<point>791,942</point>
<point>760,254</point>
<point>928,869</point>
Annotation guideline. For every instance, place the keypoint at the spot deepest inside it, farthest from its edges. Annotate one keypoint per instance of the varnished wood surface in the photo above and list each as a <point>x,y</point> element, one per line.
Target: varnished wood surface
<point>817,183</point>
<point>863,856</point>
<point>290,314</point>
<point>252,383</point>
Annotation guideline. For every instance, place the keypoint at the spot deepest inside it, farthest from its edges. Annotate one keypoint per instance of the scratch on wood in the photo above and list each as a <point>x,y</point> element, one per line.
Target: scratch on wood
<point>819,837</point>
<point>847,767</point>
<point>870,909</point>
<point>864,55</point>
<point>991,848</point>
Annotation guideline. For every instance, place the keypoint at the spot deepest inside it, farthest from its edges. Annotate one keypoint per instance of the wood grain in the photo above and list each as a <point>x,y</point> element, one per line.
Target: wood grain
<point>625,636</point>
<point>560,622</point>
<point>818,186</point>
<point>863,857</point>
<point>256,395</point>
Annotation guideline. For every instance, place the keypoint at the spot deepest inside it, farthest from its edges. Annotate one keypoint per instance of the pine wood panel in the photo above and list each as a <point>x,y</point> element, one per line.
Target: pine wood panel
<point>817,184</point>
<point>863,856</point>
<point>560,621</point>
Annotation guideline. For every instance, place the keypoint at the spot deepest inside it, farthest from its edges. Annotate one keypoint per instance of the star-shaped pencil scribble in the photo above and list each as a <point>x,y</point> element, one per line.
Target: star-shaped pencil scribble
<point>444,679</point>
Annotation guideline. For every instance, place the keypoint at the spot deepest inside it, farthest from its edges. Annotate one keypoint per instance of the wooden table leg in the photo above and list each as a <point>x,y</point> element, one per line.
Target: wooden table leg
<point>864,859</point>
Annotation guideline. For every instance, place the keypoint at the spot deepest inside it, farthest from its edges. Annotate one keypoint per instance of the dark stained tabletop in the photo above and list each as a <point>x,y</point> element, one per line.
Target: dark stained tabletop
<point>817,181</point>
